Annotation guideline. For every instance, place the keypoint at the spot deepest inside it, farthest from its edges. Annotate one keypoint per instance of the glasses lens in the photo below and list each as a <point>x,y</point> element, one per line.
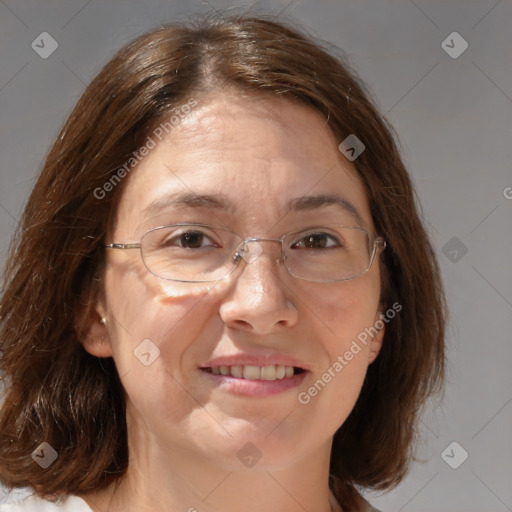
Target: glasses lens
<point>329,253</point>
<point>201,253</point>
<point>189,252</point>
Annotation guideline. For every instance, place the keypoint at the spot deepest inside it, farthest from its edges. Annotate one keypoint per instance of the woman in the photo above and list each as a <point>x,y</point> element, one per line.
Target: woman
<point>222,296</point>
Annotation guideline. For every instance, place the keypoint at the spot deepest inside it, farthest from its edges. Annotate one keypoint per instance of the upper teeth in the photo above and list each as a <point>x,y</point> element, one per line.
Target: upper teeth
<point>271,372</point>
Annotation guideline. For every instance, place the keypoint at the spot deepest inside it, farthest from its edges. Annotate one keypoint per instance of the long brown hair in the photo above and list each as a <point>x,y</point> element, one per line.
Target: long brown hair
<point>56,392</point>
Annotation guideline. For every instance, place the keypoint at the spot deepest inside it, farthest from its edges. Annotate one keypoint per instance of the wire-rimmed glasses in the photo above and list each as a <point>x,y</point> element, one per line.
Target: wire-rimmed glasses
<point>197,253</point>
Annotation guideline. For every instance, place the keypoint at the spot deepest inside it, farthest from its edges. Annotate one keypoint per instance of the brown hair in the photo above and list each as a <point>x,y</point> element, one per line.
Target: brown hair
<point>56,392</point>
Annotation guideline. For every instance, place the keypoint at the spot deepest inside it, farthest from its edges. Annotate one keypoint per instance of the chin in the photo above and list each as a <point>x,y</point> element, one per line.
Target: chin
<point>255,449</point>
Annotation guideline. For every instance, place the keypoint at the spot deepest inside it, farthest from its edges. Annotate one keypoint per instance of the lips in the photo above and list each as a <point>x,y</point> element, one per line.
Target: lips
<point>256,375</point>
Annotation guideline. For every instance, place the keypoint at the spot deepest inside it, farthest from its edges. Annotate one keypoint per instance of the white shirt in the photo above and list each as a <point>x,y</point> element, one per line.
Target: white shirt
<point>34,504</point>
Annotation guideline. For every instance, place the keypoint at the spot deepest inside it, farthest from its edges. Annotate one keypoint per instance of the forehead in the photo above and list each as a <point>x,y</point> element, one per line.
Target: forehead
<point>257,154</point>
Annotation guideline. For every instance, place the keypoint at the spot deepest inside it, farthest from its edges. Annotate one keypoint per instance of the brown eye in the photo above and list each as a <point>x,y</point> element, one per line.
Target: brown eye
<point>316,241</point>
<point>192,239</point>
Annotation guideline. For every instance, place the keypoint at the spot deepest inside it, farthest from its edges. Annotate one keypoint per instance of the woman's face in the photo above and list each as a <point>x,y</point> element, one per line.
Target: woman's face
<point>257,154</point>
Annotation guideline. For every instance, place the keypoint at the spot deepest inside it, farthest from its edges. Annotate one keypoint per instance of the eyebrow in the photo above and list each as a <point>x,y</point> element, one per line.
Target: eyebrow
<point>313,202</point>
<point>220,202</point>
<point>189,200</point>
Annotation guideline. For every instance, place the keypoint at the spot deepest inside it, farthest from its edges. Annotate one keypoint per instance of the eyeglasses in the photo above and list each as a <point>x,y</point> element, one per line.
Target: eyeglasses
<point>197,253</point>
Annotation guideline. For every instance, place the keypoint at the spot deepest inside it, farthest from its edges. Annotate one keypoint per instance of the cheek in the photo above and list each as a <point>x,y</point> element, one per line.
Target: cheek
<point>153,324</point>
<point>346,311</point>
<point>143,306</point>
<point>156,327</point>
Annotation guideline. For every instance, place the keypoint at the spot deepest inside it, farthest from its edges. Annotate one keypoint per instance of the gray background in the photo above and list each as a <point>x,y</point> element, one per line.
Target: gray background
<point>454,118</point>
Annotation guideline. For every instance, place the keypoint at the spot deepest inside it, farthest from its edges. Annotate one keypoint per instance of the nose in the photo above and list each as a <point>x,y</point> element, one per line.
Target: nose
<point>259,299</point>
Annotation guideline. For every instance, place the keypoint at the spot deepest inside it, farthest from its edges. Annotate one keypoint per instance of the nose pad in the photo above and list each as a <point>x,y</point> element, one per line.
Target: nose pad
<point>250,250</point>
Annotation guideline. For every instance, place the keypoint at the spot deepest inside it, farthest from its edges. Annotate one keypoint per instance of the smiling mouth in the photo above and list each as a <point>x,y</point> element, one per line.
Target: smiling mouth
<point>251,372</point>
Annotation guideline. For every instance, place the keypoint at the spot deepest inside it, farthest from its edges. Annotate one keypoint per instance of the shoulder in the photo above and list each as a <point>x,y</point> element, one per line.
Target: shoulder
<point>35,504</point>
<point>366,507</point>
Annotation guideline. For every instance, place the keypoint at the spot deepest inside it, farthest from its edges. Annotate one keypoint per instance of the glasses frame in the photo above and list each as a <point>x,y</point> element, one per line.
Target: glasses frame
<point>377,242</point>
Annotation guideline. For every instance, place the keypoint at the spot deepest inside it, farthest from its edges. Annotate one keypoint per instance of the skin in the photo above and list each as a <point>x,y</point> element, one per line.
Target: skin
<point>184,433</point>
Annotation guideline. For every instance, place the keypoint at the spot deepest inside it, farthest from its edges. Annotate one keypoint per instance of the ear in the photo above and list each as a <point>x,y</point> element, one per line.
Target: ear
<point>92,330</point>
<point>376,343</point>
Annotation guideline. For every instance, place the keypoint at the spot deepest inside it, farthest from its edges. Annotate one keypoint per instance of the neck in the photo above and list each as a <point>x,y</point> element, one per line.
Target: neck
<point>173,478</point>
<point>229,493</point>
